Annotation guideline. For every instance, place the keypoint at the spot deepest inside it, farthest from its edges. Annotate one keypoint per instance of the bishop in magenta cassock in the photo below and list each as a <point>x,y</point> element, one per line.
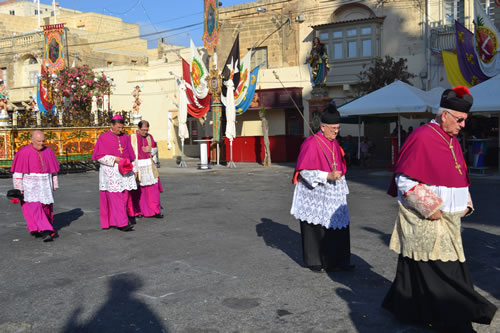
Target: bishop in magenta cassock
<point>145,201</point>
<point>433,284</point>
<point>320,198</point>
<point>35,169</point>
<point>111,150</point>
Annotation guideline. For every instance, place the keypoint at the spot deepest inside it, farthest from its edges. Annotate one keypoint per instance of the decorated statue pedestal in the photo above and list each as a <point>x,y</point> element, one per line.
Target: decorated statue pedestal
<point>4,118</point>
<point>317,103</point>
<point>70,144</point>
<point>135,119</point>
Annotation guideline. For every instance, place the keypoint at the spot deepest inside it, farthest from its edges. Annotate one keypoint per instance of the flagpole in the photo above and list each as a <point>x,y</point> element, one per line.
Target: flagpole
<point>54,7</point>
<point>38,10</point>
<point>231,162</point>
<point>182,163</point>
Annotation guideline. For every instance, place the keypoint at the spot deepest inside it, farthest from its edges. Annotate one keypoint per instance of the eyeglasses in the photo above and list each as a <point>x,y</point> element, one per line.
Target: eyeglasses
<point>458,119</point>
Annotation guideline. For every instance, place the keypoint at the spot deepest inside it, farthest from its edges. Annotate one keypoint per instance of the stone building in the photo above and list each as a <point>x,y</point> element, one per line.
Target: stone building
<point>93,39</point>
<point>355,33</point>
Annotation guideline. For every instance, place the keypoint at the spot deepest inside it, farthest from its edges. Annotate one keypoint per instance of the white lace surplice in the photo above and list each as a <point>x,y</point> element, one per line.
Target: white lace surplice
<point>319,201</point>
<point>37,187</point>
<point>111,180</point>
<point>146,171</point>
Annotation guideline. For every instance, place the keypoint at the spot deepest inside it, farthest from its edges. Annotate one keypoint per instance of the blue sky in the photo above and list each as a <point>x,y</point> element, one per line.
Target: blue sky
<point>153,15</point>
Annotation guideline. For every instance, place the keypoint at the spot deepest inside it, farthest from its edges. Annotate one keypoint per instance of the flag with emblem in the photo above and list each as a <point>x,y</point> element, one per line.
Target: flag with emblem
<point>198,73</point>
<point>486,41</point>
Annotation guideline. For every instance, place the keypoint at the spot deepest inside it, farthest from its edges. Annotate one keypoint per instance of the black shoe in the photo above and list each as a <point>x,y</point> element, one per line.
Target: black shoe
<point>316,269</point>
<point>131,220</point>
<point>139,216</point>
<point>344,268</point>
<point>36,234</point>
<point>48,236</point>
<point>158,216</point>
<point>126,228</point>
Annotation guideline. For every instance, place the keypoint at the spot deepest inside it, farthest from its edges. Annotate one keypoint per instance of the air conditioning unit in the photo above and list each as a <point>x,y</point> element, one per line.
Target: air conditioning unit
<point>346,87</point>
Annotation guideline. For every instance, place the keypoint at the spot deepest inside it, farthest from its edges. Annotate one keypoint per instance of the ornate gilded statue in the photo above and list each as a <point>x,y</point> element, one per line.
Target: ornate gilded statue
<point>318,62</point>
<point>4,96</point>
<point>137,100</point>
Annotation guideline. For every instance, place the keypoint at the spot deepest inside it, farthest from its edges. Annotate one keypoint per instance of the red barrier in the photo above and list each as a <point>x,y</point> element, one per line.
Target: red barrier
<point>251,148</point>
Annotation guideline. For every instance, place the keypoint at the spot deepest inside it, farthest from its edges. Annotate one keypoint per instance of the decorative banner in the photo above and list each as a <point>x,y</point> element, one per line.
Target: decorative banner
<point>246,67</point>
<point>197,108</point>
<point>231,69</point>
<point>245,104</point>
<point>453,72</point>
<point>199,74</point>
<point>467,59</point>
<point>54,47</point>
<point>44,93</point>
<point>486,45</point>
<point>211,24</point>
<point>241,90</point>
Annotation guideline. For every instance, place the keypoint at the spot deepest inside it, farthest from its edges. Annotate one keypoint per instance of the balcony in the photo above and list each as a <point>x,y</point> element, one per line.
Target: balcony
<point>443,38</point>
<point>23,40</point>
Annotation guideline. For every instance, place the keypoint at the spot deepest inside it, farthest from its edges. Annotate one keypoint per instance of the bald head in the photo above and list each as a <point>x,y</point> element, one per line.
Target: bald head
<point>38,139</point>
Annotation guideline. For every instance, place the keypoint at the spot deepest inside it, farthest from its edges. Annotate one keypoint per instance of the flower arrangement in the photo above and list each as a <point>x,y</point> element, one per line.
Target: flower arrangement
<point>74,88</point>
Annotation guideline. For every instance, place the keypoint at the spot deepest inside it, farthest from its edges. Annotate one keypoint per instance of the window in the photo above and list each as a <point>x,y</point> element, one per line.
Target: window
<point>338,51</point>
<point>352,49</point>
<point>366,30</point>
<point>3,75</point>
<point>36,11</point>
<point>366,48</point>
<point>133,62</point>
<point>454,10</point>
<point>351,41</point>
<point>33,77</point>
<point>12,12</point>
<point>352,32</point>
<point>30,61</point>
<point>260,57</point>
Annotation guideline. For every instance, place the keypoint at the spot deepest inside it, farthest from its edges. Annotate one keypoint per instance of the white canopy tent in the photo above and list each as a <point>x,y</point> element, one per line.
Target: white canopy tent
<point>394,99</point>
<point>485,95</point>
<point>486,100</point>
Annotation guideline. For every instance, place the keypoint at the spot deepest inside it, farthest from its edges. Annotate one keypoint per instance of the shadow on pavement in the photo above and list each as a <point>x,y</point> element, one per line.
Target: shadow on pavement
<point>364,292</point>
<point>481,252</point>
<point>385,238</point>
<point>280,236</point>
<point>121,313</point>
<point>62,220</point>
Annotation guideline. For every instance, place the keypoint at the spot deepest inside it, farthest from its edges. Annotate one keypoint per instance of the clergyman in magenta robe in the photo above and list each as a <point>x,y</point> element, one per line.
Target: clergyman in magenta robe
<point>111,147</point>
<point>35,169</point>
<point>146,199</point>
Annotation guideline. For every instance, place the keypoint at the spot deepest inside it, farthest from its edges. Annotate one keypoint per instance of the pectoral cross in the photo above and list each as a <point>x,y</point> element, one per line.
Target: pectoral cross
<point>458,167</point>
<point>119,145</point>
<point>334,164</point>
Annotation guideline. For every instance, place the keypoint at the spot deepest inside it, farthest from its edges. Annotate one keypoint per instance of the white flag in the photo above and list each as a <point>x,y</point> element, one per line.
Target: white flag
<point>486,42</point>
<point>199,74</point>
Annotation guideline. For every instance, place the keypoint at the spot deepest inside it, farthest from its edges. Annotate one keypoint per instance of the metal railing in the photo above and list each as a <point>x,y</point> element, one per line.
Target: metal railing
<point>21,40</point>
<point>443,38</point>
